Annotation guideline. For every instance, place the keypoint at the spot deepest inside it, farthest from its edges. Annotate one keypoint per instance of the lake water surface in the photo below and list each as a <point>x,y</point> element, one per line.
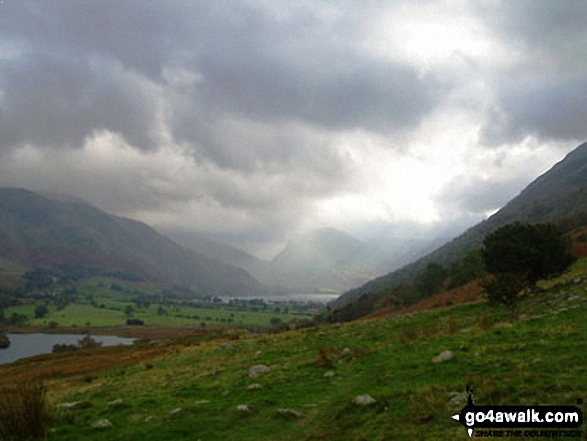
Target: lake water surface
<point>27,345</point>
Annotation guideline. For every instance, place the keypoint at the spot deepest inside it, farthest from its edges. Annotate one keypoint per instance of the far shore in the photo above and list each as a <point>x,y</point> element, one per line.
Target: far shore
<point>147,332</point>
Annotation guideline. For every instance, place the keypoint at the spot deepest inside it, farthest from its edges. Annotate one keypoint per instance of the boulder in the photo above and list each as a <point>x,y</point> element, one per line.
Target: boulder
<point>243,408</point>
<point>257,370</point>
<point>102,424</point>
<point>290,413</point>
<point>75,405</point>
<point>443,356</point>
<point>364,400</point>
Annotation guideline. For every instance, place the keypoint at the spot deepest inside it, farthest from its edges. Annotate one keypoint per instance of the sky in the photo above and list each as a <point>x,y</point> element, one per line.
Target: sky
<point>253,121</point>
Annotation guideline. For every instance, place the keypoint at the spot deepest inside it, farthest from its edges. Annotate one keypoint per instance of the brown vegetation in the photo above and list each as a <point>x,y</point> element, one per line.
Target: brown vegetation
<point>24,411</point>
<point>83,362</point>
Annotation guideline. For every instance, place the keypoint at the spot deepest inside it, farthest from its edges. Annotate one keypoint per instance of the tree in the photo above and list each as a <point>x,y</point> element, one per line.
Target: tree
<point>430,280</point>
<point>503,289</point>
<point>531,251</point>
<point>128,310</point>
<point>518,255</point>
<point>41,311</point>
<point>467,269</point>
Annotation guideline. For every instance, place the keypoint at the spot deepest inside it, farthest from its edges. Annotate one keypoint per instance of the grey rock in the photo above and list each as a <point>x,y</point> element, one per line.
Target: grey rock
<point>174,411</point>
<point>75,405</point>
<point>116,402</point>
<point>243,408</point>
<point>457,399</point>
<point>329,374</point>
<point>102,424</point>
<point>290,413</point>
<point>443,356</point>
<point>257,370</point>
<point>254,386</point>
<point>364,400</point>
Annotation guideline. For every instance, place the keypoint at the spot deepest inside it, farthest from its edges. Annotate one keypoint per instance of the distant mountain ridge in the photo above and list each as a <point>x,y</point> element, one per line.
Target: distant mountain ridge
<point>557,196</point>
<point>331,260</point>
<point>217,250</point>
<point>41,231</point>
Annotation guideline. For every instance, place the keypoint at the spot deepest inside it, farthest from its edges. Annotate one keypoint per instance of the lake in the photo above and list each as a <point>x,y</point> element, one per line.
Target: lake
<point>27,345</point>
<point>295,297</point>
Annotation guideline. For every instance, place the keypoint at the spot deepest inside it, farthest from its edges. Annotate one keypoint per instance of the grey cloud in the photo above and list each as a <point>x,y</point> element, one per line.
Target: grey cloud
<point>141,34</point>
<point>543,93</point>
<point>474,196</point>
<point>550,109</point>
<point>55,102</point>
<point>255,63</point>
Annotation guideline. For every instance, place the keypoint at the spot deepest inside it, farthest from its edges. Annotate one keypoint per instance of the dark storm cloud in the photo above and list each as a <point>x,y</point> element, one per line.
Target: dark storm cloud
<point>254,63</point>
<point>548,109</point>
<point>49,102</point>
<point>140,34</point>
<point>544,92</point>
<point>73,75</point>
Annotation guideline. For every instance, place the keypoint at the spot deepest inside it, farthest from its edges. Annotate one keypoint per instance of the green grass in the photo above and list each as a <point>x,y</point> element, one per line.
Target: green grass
<point>538,357</point>
<point>112,314</point>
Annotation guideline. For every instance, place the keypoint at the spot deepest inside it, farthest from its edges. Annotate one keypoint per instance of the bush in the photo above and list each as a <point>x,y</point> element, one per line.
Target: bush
<point>88,343</point>
<point>24,412</point>
<point>41,311</point>
<point>531,251</point>
<point>503,289</point>
<point>64,348</point>
<point>134,322</point>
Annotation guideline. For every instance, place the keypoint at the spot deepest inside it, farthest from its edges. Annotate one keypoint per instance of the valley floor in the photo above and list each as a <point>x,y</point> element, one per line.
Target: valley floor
<point>202,387</point>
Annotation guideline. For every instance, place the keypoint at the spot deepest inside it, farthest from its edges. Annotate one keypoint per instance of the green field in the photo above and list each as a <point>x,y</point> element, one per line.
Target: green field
<point>99,306</point>
<point>535,357</point>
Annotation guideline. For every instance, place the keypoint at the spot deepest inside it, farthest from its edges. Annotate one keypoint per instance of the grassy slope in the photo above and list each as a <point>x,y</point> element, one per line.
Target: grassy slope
<point>538,358</point>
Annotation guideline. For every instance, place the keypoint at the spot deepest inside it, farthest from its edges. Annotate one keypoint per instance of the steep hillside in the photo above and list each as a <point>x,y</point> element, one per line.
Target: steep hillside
<point>314,383</point>
<point>38,232</point>
<point>216,250</point>
<point>332,260</point>
<point>558,196</point>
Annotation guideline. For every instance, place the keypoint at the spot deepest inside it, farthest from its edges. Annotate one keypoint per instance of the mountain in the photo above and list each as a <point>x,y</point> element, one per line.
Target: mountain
<point>217,250</point>
<point>558,196</point>
<point>330,260</point>
<point>40,231</point>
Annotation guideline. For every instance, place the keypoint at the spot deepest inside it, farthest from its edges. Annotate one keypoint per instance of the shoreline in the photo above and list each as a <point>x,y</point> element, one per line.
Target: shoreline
<point>138,332</point>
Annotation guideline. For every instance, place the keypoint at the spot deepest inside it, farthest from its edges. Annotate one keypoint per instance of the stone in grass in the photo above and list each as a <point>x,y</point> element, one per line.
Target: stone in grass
<point>364,400</point>
<point>254,386</point>
<point>457,399</point>
<point>443,356</point>
<point>75,405</point>
<point>117,402</point>
<point>329,374</point>
<point>257,370</point>
<point>243,408</point>
<point>290,413</point>
<point>175,411</point>
<point>102,424</point>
